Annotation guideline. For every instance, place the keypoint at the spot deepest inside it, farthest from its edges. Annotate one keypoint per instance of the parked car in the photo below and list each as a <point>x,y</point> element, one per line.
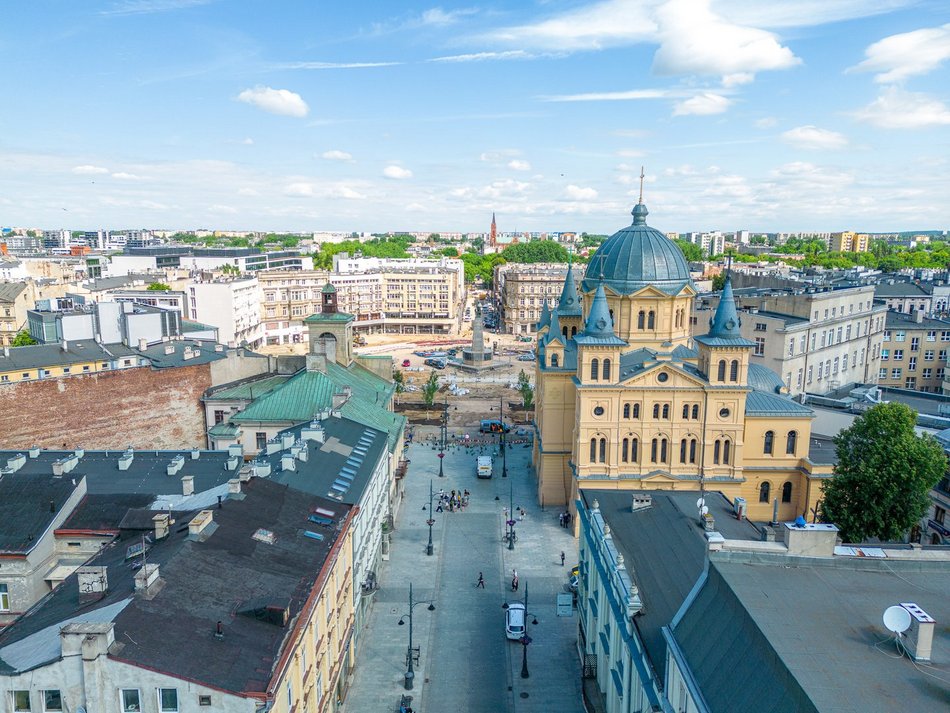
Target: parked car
<point>493,425</point>
<point>405,363</point>
<point>514,621</point>
<point>435,363</point>
<point>526,357</point>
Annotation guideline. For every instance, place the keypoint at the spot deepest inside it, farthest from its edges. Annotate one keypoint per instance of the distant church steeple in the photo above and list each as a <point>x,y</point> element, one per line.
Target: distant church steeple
<point>494,232</point>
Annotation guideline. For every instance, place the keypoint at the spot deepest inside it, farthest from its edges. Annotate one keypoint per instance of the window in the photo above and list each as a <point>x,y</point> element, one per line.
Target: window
<point>802,344</point>
<point>654,449</point>
<point>882,374</point>
<point>624,449</point>
<point>759,347</point>
<point>261,439</point>
<point>651,319</point>
<point>131,701</point>
<point>900,336</point>
<point>887,335</point>
<point>607,369</point>
<point>734,370</point>
<point>684,445</point>
<point>685,411</point>
<point>218,416</point>
<point>641,319</point>
<point>21,700</point>
<point>595,369</point>
<point>726,446</point>
<point>603,450</point>
<point>636,410</point>
<point>4,598</point>
<point>942,356</point>
<point>885,354</point>
<point>666,410</point>
<point>598,410</point>
<point>910,382</point>
<point>791,347</point>
<point>787,492</point>
<point>168,700</point>
<point>928,373</point>
<point>692,451</point>
<point>898,354</point>
<point>663,446</point>
<point>204,700</point>
<point>761,327</point>
<point>626,410</point>
<point>593,450</point>
<point>656,410</point>
<point>810,373</point>
<point>52,700</point>
<point>695,412</point>
<point>914,343</point>
<point>896,373</point>
<point>932,336</point>
<point>813,336</point>
<point>834,369</point>
<point>790,442</point>
<point>929,355</point>
<point>716,450</point>
<point>912,364</point>
<point>554,359</point>
<point>724,413</point>
<point>722,370</point>
<point>769,442</point>
<point>940,373</point>
<point>764,492</point>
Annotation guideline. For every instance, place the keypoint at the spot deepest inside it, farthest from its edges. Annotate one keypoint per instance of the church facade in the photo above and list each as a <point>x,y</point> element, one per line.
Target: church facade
<point>629,398</point>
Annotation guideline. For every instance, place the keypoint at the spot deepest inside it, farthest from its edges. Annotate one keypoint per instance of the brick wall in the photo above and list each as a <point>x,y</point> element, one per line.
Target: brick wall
<point>143,407</point>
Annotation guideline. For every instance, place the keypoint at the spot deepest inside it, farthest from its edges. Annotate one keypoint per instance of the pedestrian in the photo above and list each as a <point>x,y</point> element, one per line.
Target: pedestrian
<point>514,584</point>
<point>562,559</point>
<point>481,581</point>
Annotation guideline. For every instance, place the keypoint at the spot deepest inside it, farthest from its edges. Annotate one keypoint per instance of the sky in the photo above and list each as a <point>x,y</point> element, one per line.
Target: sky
<point>285,115</point>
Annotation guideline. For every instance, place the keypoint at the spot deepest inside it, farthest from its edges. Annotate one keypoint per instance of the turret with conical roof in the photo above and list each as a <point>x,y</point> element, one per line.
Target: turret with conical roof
<point>569,305</point>
<point>599,327</point>
<point>723,351</point>
<point>545,320</point>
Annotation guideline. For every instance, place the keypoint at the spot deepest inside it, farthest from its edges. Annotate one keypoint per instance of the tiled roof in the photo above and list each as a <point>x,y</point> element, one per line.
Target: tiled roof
<point>759,403</point>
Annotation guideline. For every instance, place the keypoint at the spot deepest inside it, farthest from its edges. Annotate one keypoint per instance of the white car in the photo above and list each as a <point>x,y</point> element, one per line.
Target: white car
<point>515,621</point>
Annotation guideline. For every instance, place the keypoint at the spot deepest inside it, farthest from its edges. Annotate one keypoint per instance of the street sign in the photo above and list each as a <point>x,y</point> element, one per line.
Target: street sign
<point>565,604</point>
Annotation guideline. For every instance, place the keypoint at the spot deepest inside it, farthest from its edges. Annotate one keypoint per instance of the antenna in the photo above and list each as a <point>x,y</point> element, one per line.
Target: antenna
<point>641,185</point>
<point>896,619</point>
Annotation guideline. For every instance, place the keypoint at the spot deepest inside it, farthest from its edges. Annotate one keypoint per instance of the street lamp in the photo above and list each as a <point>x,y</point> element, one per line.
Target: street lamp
<point>410,651</point>
<point>430,522</point>
<point>525,640</point>
<point>504,461</point>
<point>511,519</point>
<point>442,430</point>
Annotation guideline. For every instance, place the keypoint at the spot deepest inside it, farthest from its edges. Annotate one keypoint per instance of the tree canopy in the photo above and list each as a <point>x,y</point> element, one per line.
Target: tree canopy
<point>691,251</point>
<point>430,389</point>
<point>158,287</point>
<point>482,266</point>
<point>23,339</point>
<point>525,389</point>
<point>883,476</point>
<point>535,251</point>
<point>384,246</point>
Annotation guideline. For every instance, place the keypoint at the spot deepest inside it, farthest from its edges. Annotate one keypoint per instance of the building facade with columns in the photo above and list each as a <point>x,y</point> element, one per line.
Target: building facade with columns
<point>628,397</point>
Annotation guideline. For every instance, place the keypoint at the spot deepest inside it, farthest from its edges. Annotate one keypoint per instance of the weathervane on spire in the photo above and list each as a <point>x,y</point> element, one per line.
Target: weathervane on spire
<point>641,185</point>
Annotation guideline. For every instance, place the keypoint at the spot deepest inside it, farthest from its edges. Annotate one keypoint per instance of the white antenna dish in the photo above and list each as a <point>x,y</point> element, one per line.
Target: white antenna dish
<point>896,619</point>
<point>703,510</point>
<point>701,502</point>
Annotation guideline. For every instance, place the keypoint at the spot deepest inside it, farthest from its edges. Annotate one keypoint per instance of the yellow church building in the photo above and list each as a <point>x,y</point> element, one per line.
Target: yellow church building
<point>628,398</point>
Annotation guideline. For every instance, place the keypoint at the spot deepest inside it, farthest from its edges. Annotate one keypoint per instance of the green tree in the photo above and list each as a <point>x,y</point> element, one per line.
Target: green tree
<point>535,251</point>
<point>158,287</point>
<point>526,390</point>
<point>229,269</point>
<point>691,251</point>
<point>429,390</point>
<point>449,252</point>
<point>883,476</point>
<point>719,282</point>
<point>23,339</point>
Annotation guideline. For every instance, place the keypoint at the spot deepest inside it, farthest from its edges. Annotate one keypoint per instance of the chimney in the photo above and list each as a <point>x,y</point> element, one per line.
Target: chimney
<point>313,432</point>
<point>146,577</point>
<point>143,344</point>
<point>6,351</point>
<point>919,316</point>
<point>188,485</point>
<point>921,632</point>
<point>34,451</point>
<point>810,539</point>
<point>641,501</point>
<point>195,454</point>
<point>200,522</point>
<point>169,349</point>
<point>161,525</point>
<point>65,346</point>
<point>234,486</point>
<point>93,583</point>
<point>125,460</point>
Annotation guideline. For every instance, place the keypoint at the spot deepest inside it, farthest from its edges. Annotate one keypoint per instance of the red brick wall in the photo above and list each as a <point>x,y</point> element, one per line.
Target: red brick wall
<point>142,407</point>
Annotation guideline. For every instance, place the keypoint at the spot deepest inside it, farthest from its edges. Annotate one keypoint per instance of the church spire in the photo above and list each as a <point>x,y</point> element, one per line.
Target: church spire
<point>570,304</point>
<point>554,328</point>
<point>545,316</point>
<point>599,327</point>
<point>640,211</point>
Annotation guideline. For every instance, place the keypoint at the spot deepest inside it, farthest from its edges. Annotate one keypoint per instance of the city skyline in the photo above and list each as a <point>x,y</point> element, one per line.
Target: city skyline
<point>203,113</point>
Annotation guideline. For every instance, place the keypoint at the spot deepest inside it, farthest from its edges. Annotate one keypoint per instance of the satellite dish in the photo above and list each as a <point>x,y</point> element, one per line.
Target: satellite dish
<point>896,619</point>
<point>701,502</point>
<point>703,510</point>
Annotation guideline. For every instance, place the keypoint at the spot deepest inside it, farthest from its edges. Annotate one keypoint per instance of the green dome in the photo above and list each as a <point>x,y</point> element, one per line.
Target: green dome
<point>635,257</point>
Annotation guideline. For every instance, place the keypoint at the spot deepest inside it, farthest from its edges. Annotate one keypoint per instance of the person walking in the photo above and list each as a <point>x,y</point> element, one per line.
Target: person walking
<point>514,584</point>
<point>562,558</point>
<point>481,581</point>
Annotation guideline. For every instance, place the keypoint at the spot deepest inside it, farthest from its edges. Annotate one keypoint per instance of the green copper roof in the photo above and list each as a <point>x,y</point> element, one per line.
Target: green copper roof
<point>599,328</point>
<point>759,403</point>
<point>569,304</point>
<point>724,326</point>
<point>321,318</point>
<point>545,315</point>
<point>249,390</point>
<point>554,328</point>
<point>328,289</point>
<point>223,430</point>
<point>635,257</point>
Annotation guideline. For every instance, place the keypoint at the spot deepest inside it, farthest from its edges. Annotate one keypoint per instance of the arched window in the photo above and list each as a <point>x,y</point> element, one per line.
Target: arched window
<point>692,451</point>
<point>595,369</point>
<point>593,450</point>
<point>654,446</point>
<point>787,492</point>
<point>726,447</point>
<point>716,448</point>
<point>634,450</point>
<point>722,370</point>
<point>685,411</point>
<point>624,446</point>
<point>607,369</point>
<point>651,320</point>
<point>554,359</point>
<point>603,450</point>
<point>626,410</point>
<point>666,410</point>
<point>641,317</point>
<point>664,444</point>
<point>656,410</point>
<point>564,331</point>
<point>611,315</point>
<point>683,447</point>
<point>636,410</point>
<point>573,331</point>
<point>695,412</point>
<point>790,442</point>
<point>734,370</point>
<point>764,491</point>
<point>769,440</point>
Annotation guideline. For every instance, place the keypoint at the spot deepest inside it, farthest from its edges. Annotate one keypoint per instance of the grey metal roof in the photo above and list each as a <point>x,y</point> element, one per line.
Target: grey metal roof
<point>39,356</point>
<point>899,320</point>
<point>822,450</point>
<point>9,291</point>
<point>635,257</point>
<point>764,379</point>
<point>759,403</point>
<point>900,289</point>
<point>203,352</point>
<point>28,504</point>
<point>769,634</point>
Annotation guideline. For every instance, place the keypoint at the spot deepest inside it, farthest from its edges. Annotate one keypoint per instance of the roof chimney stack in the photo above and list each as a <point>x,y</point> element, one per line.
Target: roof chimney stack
<point>921,632</point>
<point>161,525</point>
<point>93,583</point>
<point>188,485</point>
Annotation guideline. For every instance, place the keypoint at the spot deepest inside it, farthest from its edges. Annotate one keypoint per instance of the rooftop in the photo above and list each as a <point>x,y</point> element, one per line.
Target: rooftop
<point>9,291</point>
<point>899,320</point>
<point>29,502</point>
<point>45,355</point>
<point>900,289</point>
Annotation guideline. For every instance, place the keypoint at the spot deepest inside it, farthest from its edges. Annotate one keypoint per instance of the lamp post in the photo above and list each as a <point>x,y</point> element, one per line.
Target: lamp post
<point>410,651</point>
<point>430,522</point>
<point>442,430</point>
<point>525,640</point>
<point>511,519</point>
<point>504,461</point>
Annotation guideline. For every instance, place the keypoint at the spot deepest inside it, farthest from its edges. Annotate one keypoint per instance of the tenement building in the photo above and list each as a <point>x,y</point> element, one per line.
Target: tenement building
<point>914,352</point>
<point>629,398</point>
<point>522,290</point>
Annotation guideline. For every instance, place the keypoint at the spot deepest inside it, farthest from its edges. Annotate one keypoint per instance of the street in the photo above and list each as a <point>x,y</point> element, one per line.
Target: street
<point>466,663</point>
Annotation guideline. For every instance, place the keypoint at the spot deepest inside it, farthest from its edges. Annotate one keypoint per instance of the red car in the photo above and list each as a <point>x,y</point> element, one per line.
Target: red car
<point>405,362</point>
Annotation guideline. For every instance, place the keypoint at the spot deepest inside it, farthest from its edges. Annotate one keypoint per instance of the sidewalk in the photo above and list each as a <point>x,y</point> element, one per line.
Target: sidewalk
<point>466,663</point>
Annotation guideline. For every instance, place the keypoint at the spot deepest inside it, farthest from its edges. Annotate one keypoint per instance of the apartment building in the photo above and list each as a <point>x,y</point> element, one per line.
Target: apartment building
<point>520,291</point>
<point>233,305</point>
<point>152,259</point>
<point>849,242</point>
<point>914,352</point>
<point>906,297</point>
<point>712,243</point>
<point>14,303</point>
<point>816,341</point>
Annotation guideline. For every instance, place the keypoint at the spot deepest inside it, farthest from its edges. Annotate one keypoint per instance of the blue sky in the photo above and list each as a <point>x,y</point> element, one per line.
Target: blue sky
<point>283,115</point>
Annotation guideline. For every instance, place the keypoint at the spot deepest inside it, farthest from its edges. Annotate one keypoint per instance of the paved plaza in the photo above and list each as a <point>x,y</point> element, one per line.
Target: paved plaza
<point>466,663</point>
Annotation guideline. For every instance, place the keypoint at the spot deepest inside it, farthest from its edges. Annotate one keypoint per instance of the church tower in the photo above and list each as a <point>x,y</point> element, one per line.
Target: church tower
<point>569,308</point>
<point>493,235</point>
<point>723,351</point>
<point>330,332</point>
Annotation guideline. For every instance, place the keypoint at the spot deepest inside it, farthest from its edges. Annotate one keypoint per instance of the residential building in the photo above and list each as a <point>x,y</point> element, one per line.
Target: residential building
<point>12,270</point>
<point>905,297</point>
<point>816,340</point>
<point>849,242</point>
<point>173,300</point>
<point>249,606</point>
<point>14,303</point>
<point>18,244</point>
<point>700,611</point>
<point>626,394</point>
<point>522,290</point>
<point>914,352</point>
<point>56,238</point>
<point>232,305</point>
<point>127,323</point>
<point>158,258</point>
<point>713,243</point>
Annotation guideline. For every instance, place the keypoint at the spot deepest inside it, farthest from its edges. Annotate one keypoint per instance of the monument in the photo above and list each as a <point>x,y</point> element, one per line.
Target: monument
<point>476,357</point>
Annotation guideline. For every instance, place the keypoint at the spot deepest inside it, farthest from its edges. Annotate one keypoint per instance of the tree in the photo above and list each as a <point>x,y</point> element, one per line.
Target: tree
<point>429,390</point>
<point>449,252</point>
<point>691,251</point>
<point>158,287</point>
<point>526,390</point>
<point>719,282</point>
<point>883,476</point>
<point>229,269</point>
<point>23,339</point>
<point>535,251</point>
<point>399,380</point>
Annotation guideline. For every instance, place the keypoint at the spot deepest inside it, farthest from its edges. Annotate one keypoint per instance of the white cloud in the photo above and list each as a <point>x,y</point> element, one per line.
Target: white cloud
<point>907,54</point>
<point>333,65</point>
<point>437,17</point>
<point>766,122</point>
<point>737,79</point>
<point>305,189</point>
<point>222,209</point>
<point>702,105</point>
<point>804,13</point>
<point>147,7</point>
<point>628,95</point>
<point>299,190</point>
<point>248,192</point>
<point>346,192</point>
<point>336,155</point>
<point>811,137</point>
<point>397,172</point>
<point>577,193</point>
<point>519,165</point>
<point>87,170</point>
<point>498,155</point>
<point>123,176</point>
<point>695,40</point>
<point>248,141</point>
<point>630,153</point>
<point>898,109</point>
<point>275,101</point>
<point>487,56</point>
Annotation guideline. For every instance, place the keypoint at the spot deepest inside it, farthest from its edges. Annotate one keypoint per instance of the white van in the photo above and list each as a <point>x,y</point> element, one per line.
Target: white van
<point>483,467</point>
